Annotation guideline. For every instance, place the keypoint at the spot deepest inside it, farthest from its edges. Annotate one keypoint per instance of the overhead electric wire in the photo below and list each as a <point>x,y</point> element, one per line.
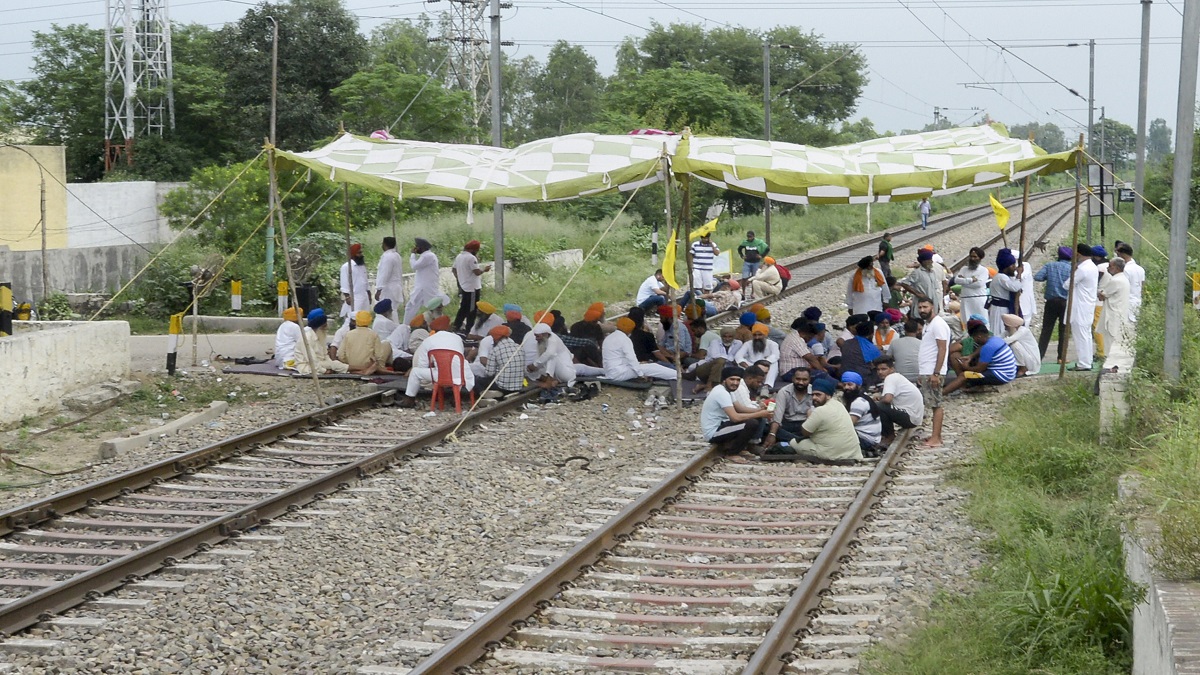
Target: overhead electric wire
<point>1044,73</point>
<point>627,23</point>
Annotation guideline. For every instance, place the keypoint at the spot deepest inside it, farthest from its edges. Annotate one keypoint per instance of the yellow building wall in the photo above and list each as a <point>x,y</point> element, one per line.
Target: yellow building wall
<point>20,196</point>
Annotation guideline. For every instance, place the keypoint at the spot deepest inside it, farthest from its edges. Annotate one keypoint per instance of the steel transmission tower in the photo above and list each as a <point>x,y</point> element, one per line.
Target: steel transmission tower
<point>466,31</point>
<point>139,100</point>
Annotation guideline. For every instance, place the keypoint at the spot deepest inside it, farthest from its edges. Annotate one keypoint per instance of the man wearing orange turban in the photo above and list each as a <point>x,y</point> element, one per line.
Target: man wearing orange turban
<point>362,350</point>
<point>766,281</point>
<point>589,335</point>
<point>287,336</point>
<point>620,360</point>
<point>503,366</point>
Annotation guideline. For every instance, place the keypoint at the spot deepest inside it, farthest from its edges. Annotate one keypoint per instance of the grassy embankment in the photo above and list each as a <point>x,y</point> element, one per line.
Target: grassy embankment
<point>1053,598</point>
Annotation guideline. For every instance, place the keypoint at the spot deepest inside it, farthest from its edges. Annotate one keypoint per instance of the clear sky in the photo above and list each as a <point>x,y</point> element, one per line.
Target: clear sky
<point>920,52</point>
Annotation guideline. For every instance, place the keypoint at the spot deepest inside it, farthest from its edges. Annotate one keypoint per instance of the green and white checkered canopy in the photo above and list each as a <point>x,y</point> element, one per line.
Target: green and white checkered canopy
<point>552,169</point>
<point>578,165</point>
<point>885,169</point>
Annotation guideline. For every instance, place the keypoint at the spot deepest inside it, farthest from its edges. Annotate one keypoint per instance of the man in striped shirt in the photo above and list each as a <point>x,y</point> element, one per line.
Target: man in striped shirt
<point>993,362</point>
<point>704,252</point>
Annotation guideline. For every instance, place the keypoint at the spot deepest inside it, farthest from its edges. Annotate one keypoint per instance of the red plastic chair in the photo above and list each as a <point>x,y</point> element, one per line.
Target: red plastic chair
<point>442,363</point>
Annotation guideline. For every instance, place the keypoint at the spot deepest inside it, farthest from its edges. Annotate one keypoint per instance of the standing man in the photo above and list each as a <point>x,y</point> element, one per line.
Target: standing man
<point>1055,273</point>
<point>974,281</point>
<point>925,208</point>
<point>752,251</point>
<point>469,274</point>
<point>866,288</point>
<point>886,254</point>
<point>927,282</point>
<point>1005,287</point>
<point>353,277</point>
<point>1083,307</point>
<point>424,264</point>
<point>389,277</point>
<point>1115,324</point>
<point>932,365</point>
<point>1136,274</point>
<point>703,253</point>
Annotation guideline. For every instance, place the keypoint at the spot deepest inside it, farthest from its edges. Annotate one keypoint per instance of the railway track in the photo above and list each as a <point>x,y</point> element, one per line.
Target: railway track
<point>718,567</point>
<point>59,552</point>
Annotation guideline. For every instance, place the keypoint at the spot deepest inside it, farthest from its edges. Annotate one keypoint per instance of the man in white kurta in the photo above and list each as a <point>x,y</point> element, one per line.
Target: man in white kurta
<point>389,278</point>
<point>760,349</point>
<point>973,278</point>
<point>1115,326</point>
<point>620,361</point>
<point>552,359</point>
<point>1028,300</point>
<point>422,373</point>
<point>1004,289</point>
<point>287,336</point>
<point>356,297</point>
<point>1136,274</point>
<point>1083,307</point>
<point>424,264</point>
<point>866,287</point>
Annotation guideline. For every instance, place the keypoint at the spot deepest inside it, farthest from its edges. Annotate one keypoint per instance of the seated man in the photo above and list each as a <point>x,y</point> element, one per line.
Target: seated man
<point>901,403</point>
<point>674,333</point>
<point>859,351</point>
<point>485,320</point>
<point>552,366</point>
<point>717,354</point>
<point>287,336</point>
<point>1023,344</point>
<point>906,349</point>
<point>421,374</point>
<point>314,337</point>
<point>792,405</point>
<point>720,421</point>
<point>759,348</point>
<point>864,414</point>
<point>383,324</point>
<point>652,292</point>
<point>992,363</point>
<point>418,330</point>
<point>362,350</point>
<point>515,319</point>
<point>745,397</point>
<point>725,296</point>
<point>766,281</point>
<point>620,361</point>
<point>504,365</point>
<point>644,344</point>
<point>829,436</point>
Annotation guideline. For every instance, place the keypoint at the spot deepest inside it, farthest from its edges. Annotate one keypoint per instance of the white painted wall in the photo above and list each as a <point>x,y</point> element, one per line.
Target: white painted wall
<point>98,214</point>
<point>45,360</point>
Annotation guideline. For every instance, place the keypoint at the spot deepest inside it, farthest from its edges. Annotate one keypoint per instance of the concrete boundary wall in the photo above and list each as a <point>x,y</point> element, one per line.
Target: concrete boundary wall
<point>101,269</point>
<point>45,360</point>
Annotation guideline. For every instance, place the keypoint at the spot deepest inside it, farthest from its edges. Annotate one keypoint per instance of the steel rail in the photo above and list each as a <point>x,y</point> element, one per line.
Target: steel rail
<point>471,644</point>
<point>63,595</point>
<point>792,289</point>
<point>781,640</point>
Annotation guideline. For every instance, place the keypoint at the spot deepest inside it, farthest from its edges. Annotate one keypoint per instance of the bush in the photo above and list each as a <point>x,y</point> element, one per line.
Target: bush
<point>55,307</point>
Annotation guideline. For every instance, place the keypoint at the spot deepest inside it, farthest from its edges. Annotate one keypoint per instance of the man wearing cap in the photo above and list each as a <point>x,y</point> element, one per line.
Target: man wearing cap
<point>1136,274</point>
<point>703,253</point>
<point>1115,325</point>
<point>1056,274</point>
<point>314,337</point>
<point>752,251</point>
<point>828,435</point>
<point>1083,307</point>
<point>864,413</point>
<point>621,363</point>
<point>867,289</point>
<point>362,350</point>
<point>759,348</point>
<point>1005,287</point>
<point>973,279</point>
<point>389,277</point>
<point>900,403</point>
<point>503,367</point>
<point>422,372</point>
<point>383,324</point>
<point>1024,347</point>
<point>926,282</point>
<point>721,423</point>
<point>286,338</point>
<point>424,264</point>
<point>468,273</point>
<point>553,365</point>
<point>766,281</point>
<point>652,292</point>
<point>353,278</point>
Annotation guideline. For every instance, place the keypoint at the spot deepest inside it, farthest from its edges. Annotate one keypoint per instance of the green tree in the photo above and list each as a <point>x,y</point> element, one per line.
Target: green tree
<point>319,48</point>
<point>406,44</point>
<point>1048,137</point>
<point>1120,142</point>
<point>63,104</point>
<point>675,98</point>
<point>566,93</point>
<point>517,77</point>
<point>374,98</point>
<point>1158,141</point>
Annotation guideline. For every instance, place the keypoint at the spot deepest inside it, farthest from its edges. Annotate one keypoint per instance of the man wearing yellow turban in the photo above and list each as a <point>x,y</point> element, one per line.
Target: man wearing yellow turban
<point>620,360</point>
<point>486,319</point>
<point>362,350</point>
<point>287,336</point>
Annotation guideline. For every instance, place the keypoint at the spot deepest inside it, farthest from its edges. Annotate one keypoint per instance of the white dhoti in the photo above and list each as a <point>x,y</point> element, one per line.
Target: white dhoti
<point>582,370</point>
<point>658,372</point>
<point>1085,346</point>
<point>560,369</point>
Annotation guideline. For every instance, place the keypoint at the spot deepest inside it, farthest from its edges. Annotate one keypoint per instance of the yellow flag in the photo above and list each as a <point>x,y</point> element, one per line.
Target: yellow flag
<point>668,267</point>
<point>1001,212</point>
<point>707,228</point>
